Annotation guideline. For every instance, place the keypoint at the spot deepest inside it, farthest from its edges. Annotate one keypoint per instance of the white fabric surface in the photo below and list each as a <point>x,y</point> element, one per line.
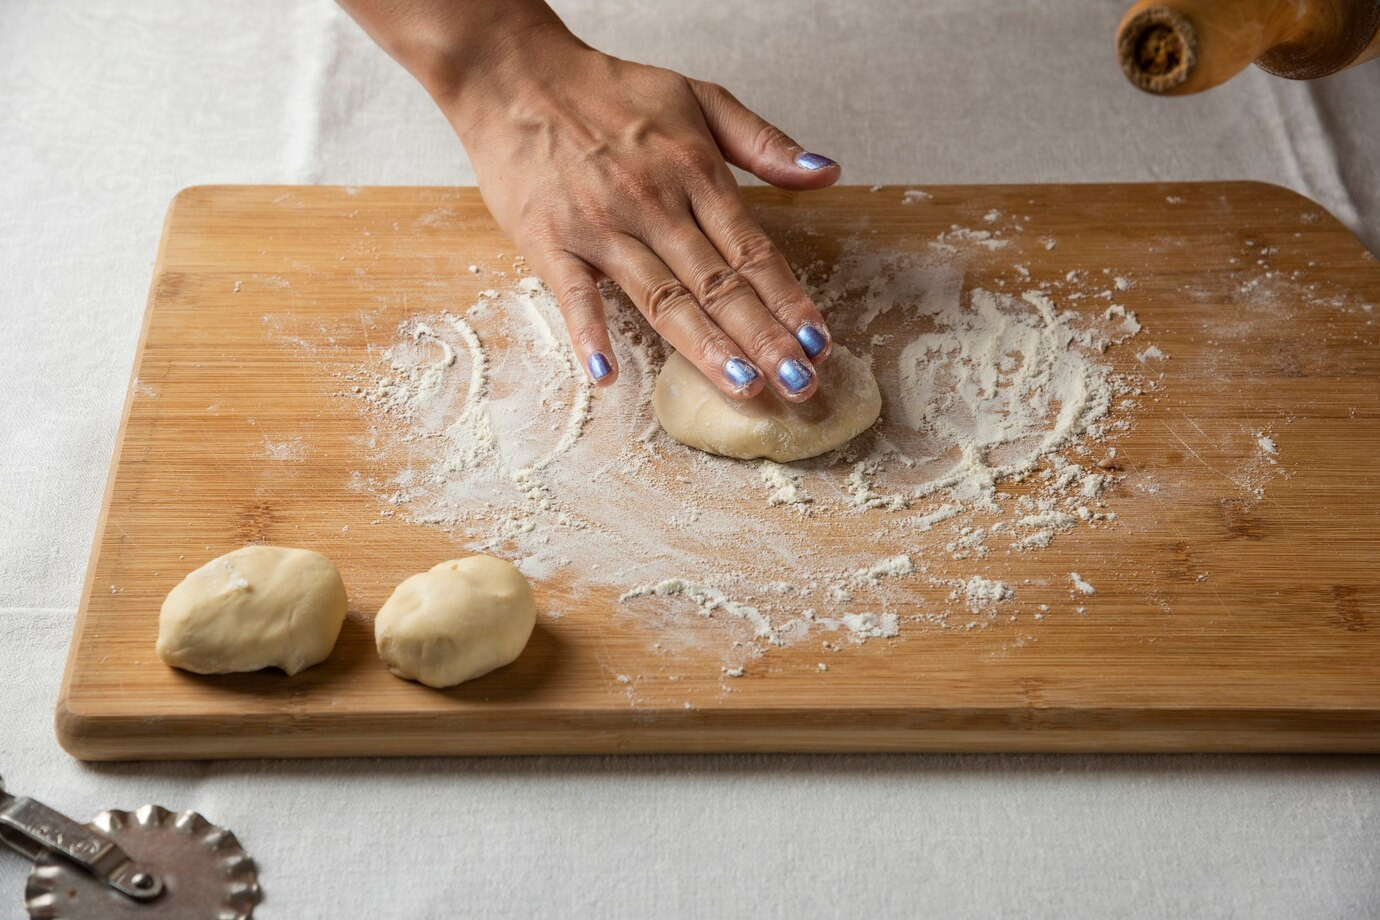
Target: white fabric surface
<point>107,108</point>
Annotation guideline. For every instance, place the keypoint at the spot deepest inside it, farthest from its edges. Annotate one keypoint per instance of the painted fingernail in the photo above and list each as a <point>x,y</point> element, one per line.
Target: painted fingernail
<point>809,160</point>
<point>740,372</point>
<point>796,375</point>
<point>599,366</point>
<point>813,339</point>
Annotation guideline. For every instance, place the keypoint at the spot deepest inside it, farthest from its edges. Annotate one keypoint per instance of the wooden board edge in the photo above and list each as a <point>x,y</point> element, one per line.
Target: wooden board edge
<point>1288,194</point>
<point>67,718</point>
<point>1132,730</point>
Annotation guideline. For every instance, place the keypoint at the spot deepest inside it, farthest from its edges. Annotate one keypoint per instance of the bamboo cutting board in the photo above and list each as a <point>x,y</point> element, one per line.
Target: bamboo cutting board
<point>1226,619</point>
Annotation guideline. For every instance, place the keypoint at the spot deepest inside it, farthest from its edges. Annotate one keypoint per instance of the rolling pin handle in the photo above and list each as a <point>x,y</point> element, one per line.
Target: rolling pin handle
<point>1175,47</point>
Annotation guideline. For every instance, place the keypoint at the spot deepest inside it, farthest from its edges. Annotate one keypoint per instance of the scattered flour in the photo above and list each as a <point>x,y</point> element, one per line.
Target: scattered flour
<point>706,598</point>
<point>1152,353</point>
<point>984,592</point>
<point>485,426</point>
<point>289,450</point>
<point>871,625</point>
<point>784,484</point>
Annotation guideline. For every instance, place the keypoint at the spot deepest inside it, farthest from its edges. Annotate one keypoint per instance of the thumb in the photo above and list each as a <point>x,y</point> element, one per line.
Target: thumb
<point>750,142</point>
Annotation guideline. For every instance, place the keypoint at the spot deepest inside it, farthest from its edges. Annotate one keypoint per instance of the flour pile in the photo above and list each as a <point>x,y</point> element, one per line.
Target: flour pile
<point>994,402</point>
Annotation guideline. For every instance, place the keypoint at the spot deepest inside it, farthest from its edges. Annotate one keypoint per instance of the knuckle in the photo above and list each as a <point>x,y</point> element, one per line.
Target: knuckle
<point>795,309</point>
<point>769,139</point>
<point>752,251</point>
<point>641,186</point>
<point>587,335</point>
<point>679,86</point>
<point>540,229</point>
<point>720,287</point>
<point>771,344</point>
<point>666,299</point>
<point>597,232</point>
<point>576,298</point>
<point>669,77</point>
<point>706,348</point>
<point>693,160</point>
<point>634,181</point>
<point>717,90</point>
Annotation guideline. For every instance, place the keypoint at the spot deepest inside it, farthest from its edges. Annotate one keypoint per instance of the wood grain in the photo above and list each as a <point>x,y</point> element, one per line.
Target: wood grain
<point>1224,621</point>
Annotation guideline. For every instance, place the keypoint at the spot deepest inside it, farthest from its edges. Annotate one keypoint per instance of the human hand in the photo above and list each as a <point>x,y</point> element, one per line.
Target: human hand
<point>599,167</point>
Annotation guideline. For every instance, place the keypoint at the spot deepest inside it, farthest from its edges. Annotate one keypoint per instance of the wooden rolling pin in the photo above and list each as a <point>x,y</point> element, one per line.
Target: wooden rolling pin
<point>1175,47</point>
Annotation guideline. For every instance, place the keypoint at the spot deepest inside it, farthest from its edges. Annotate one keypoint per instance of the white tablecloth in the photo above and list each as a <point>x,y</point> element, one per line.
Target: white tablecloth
<point>107,108</point>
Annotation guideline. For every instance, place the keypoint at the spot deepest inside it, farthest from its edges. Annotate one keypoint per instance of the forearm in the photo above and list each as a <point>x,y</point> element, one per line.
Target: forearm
<point>452,45</point>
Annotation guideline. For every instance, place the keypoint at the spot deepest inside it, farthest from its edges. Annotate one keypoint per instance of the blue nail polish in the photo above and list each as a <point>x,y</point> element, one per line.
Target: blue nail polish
<point>812,339</point>
<point>740,372</point>
<point>809,160</point>
<point>795,375</point>
<point>599,366</point>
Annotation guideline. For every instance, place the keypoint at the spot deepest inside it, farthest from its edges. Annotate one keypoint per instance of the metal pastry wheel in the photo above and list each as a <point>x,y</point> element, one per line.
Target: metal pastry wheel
<point>145,863</point>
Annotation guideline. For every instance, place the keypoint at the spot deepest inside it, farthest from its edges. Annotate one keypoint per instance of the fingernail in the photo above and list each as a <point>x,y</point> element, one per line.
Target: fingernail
<point>813,339</point>
<point>599,366</point>
<point>809,160</point>
<point>796,375</point>
<point>740,372</point>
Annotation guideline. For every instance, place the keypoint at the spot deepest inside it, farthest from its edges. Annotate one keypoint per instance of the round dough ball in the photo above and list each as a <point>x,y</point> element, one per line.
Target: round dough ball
<point>695,413</point>
<point>257,607</point>
<point>461,619</point>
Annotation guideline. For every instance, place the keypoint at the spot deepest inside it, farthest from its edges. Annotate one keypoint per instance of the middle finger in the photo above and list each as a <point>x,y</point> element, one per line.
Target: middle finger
<point>731,302</point>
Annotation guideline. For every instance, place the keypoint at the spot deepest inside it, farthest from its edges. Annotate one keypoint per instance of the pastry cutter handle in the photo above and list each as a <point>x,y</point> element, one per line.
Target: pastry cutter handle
<point>32,828</point>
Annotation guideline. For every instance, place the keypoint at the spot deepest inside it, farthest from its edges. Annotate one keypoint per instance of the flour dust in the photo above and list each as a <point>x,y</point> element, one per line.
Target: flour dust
<point>999,412</point>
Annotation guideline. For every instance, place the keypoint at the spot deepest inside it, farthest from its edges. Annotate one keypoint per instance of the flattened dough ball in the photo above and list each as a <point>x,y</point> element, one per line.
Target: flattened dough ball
<point>461,619</point>
<point>695,413</point>
<point>257,607</point>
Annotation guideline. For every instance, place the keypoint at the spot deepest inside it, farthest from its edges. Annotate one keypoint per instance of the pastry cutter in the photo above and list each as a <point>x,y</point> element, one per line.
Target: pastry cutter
<point>149,863</point>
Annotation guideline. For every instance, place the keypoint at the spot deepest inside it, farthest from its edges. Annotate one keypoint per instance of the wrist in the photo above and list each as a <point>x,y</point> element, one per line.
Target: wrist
<point>453,47</point>
<point>471,79</point>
